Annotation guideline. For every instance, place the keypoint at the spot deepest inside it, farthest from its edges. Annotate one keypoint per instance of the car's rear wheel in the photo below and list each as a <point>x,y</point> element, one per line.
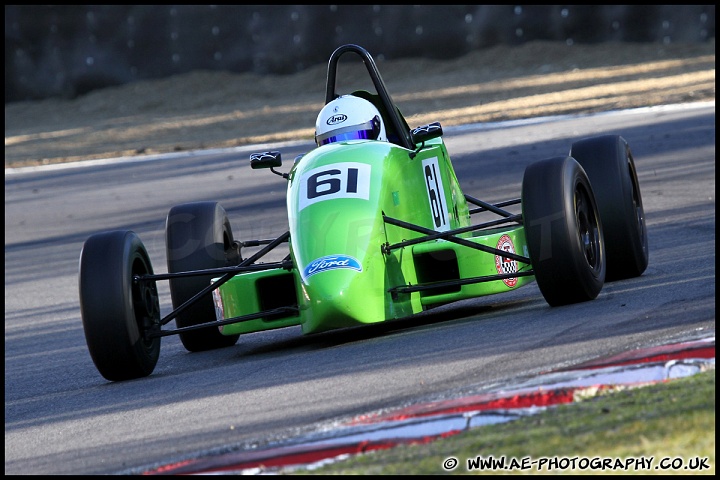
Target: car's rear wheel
<point>117,310</point>
<point>563,231</point>
<point>198,237</point>
<point>609,165</point>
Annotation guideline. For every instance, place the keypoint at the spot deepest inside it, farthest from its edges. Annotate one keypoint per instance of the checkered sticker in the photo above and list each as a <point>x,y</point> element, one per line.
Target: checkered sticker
<point>504,264</point>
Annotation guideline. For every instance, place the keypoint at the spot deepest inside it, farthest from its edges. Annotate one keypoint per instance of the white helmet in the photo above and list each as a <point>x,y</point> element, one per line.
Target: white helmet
<point>348,118</point>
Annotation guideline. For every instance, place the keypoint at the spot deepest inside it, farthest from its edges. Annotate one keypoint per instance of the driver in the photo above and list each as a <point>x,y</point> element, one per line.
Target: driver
<point>349,118</point>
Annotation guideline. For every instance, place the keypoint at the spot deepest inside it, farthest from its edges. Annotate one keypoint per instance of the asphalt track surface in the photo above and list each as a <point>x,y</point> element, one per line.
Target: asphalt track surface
<point>62,417</point>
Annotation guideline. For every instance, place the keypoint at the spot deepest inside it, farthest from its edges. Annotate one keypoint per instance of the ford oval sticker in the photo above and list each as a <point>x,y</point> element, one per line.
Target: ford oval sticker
<point>331,262</point>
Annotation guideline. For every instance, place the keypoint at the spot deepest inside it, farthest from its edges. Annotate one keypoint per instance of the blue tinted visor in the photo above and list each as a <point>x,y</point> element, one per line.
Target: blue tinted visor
<point>367,131</point>
<point>355,135</point>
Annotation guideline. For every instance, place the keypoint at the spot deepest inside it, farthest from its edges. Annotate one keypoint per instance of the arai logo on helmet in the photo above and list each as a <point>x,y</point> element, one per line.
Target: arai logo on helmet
<point>331,262</point>
<point>337,118</point>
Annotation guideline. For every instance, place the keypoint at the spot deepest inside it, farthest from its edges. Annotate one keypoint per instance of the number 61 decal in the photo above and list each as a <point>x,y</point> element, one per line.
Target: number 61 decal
<point>339,180</point>
<point>436,194</point>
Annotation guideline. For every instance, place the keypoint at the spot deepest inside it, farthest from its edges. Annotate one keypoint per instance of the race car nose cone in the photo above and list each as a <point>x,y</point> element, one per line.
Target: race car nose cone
<point>341,296</point>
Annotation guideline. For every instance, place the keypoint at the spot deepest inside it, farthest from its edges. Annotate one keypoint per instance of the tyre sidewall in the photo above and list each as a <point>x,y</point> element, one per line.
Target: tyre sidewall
<point>197,235</point>
<point>608,163</point>
<point>558,258</point>
<point>114,338</point>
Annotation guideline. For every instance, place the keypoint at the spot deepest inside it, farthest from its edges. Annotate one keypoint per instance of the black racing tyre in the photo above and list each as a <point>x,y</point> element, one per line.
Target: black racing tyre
<point>609,165</point>
<point>198,237</point>
<point>117,311</point>
<point>563,231</point>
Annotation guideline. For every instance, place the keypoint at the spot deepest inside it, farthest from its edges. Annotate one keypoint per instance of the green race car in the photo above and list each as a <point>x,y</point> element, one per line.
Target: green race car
<point>379,229</point>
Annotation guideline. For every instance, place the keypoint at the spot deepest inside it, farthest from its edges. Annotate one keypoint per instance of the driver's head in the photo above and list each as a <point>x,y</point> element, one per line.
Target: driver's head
<point>348,118</point>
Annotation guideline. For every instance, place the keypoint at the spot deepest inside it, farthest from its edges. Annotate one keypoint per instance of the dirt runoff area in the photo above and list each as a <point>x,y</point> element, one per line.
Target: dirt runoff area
<point>204,109</point>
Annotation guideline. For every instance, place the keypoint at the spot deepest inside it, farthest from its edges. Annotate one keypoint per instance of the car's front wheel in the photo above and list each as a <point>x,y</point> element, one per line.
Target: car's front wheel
<point>563,231</point>
<point>118,311</point>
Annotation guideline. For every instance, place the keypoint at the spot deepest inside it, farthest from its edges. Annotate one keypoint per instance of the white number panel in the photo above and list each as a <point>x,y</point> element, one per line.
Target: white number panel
<point>340,180</point>
<point>436,194</point>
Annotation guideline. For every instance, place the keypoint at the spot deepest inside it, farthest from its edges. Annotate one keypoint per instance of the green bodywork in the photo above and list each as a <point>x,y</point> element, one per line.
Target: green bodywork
<point>344,273</point>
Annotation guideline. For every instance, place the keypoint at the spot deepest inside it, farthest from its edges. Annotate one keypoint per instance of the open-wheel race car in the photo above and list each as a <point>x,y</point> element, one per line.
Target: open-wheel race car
<point>379,229</point>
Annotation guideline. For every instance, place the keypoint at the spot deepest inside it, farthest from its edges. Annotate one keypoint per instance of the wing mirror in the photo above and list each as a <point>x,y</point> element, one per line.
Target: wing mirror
<point>267,160</point>
<point>420,135</point>
<point>426,132</point>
